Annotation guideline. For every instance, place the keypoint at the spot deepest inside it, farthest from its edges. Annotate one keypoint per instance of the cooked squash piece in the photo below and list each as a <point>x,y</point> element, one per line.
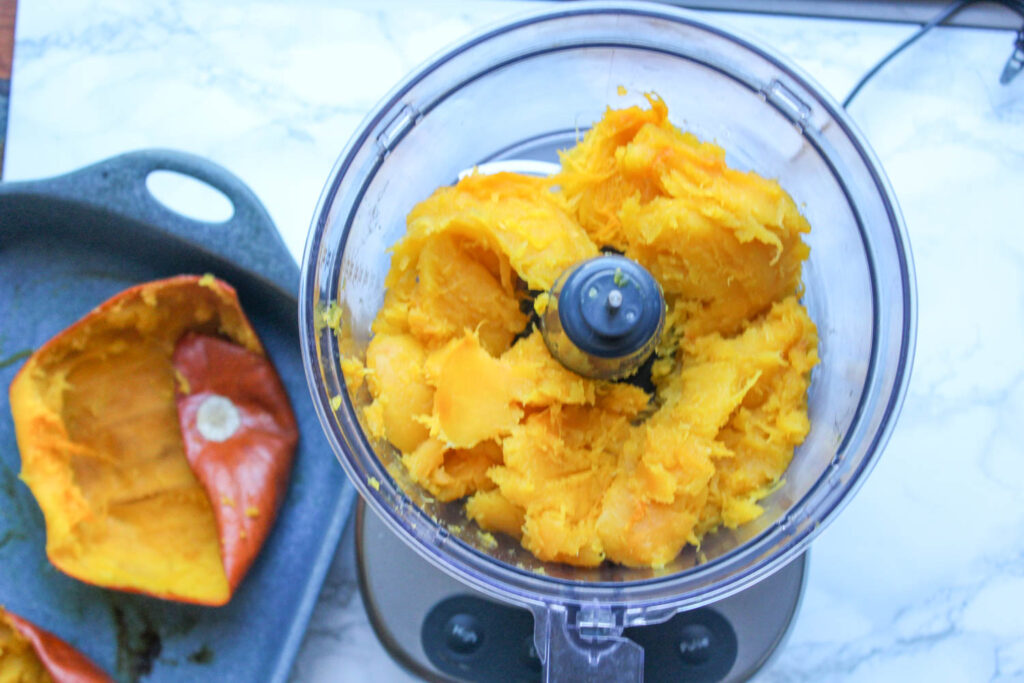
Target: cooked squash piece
<point>534,236</point>
<point>395,377</point>
<point>29,654</point>
<point>583,471</point>
<point>455,293</point>
<point>102,449</point>
<point>474,400</point>
<point>18,659</point>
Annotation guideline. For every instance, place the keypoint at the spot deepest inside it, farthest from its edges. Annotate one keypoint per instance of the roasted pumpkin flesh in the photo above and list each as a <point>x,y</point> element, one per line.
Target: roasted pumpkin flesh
<point>102,449</point>
<point>18,660</point>
<point>29,654</point>
<point>580,470</point>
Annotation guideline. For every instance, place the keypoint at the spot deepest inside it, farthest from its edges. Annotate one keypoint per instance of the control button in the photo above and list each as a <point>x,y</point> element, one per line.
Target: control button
<point>697,646</point>
<point>695,642</point>
<point>463,634</point>
<point>471,639</point>
<point>529,654</point>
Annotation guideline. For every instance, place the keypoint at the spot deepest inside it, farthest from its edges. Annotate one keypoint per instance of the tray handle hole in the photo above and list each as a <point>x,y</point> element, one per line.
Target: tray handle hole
<point>189,197</point>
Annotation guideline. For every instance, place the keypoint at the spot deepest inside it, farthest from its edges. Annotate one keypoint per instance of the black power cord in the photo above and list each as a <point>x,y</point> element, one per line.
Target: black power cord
<point>1013,66</point>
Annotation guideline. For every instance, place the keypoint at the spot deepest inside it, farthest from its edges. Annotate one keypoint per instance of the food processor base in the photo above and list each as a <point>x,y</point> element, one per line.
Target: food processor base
<point>443,630</point>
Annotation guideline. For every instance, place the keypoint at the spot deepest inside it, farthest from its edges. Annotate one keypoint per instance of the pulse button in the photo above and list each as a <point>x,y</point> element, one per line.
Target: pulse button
<point>463,634</point>
<point>695,641</point>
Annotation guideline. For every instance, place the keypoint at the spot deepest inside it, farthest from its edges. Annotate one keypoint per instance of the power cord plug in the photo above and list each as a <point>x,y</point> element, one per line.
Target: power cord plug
<point>1015,64</point>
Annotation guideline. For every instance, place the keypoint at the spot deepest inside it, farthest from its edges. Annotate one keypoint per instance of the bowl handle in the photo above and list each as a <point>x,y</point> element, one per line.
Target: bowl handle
<point>247,239</point>
<point>585,644</point>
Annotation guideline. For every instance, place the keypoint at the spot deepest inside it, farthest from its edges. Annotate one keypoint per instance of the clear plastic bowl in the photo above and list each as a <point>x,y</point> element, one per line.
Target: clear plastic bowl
<point>529,87</point>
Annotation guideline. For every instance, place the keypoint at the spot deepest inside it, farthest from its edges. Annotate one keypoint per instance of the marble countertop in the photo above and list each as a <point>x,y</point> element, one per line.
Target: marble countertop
<point>923,574</point>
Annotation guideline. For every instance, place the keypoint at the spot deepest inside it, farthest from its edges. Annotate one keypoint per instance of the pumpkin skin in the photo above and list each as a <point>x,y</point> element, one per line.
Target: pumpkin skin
<point>102,449</point>
<point>29,653</point>
<point>245,473</point>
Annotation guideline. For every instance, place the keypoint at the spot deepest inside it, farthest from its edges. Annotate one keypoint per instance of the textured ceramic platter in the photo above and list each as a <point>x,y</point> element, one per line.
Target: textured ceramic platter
<point>67,244</point>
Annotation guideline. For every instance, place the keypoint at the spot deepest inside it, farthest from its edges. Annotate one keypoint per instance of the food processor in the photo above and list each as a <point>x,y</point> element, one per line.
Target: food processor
<point>517,93</point>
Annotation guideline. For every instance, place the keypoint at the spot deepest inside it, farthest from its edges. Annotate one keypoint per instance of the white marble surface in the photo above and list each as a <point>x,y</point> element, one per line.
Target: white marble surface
<point>922,576</point>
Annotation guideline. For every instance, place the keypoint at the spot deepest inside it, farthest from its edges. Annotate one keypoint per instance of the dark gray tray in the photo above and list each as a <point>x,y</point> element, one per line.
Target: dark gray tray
<point>70,242</point>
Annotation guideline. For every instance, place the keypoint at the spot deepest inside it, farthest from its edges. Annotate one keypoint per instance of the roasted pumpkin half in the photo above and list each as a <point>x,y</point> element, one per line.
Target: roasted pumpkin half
<point>157,439</point>
<point>29,654</point>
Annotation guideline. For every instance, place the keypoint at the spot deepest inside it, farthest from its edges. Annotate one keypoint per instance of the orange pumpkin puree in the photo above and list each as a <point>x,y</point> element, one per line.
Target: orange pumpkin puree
<point>582,471</point>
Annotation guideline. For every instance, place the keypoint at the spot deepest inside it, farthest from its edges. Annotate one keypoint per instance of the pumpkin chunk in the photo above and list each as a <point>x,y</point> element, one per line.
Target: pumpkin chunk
<point>582,471</point>
<point>29,654</point>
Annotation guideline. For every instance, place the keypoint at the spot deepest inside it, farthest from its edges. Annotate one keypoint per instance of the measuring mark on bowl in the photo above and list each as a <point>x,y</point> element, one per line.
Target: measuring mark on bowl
<point>405,119</point>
